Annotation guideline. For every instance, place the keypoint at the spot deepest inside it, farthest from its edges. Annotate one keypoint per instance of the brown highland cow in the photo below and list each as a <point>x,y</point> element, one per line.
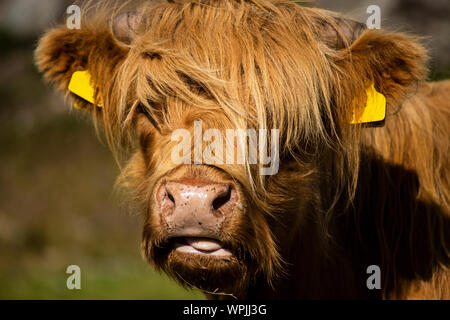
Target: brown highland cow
<point>346,196</point>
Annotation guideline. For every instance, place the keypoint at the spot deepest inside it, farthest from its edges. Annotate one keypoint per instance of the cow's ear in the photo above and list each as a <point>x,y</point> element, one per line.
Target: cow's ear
<point>393,62</point>
<point>62,51</point>
<point>96,49</point>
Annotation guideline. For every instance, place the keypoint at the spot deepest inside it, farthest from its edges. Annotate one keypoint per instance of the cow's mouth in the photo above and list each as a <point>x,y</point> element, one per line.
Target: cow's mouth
<point>200,246</point>
<point>201,261</point>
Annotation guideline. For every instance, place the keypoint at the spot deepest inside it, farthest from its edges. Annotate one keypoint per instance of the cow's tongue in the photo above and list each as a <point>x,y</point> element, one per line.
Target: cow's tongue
<point>204,244</point>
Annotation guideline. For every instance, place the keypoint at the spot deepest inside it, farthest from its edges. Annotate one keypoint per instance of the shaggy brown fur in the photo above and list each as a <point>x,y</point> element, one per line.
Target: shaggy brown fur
<point>345,197</point>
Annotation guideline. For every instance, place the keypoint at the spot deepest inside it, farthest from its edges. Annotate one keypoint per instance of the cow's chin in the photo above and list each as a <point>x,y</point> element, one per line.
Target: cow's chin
<point>205,264</point>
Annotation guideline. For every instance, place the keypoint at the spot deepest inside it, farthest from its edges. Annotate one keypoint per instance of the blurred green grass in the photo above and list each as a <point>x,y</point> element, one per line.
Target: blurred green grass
<point>130,280</point>
<point>57,209</point>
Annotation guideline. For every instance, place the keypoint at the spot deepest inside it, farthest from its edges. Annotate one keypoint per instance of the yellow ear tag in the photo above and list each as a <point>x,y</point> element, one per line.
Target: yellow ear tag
<point>80,84</point>
<point>375,109</point>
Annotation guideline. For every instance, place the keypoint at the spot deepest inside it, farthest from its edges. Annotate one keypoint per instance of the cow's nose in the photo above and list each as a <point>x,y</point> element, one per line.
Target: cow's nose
<point>195,208</point>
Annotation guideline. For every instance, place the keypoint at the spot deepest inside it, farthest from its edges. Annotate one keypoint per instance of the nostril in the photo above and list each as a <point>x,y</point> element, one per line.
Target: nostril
<point>169,195</point>
<point>222,200</point>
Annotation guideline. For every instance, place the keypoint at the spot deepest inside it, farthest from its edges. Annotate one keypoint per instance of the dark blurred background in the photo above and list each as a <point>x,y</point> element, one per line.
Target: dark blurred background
<point>57,206</point>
